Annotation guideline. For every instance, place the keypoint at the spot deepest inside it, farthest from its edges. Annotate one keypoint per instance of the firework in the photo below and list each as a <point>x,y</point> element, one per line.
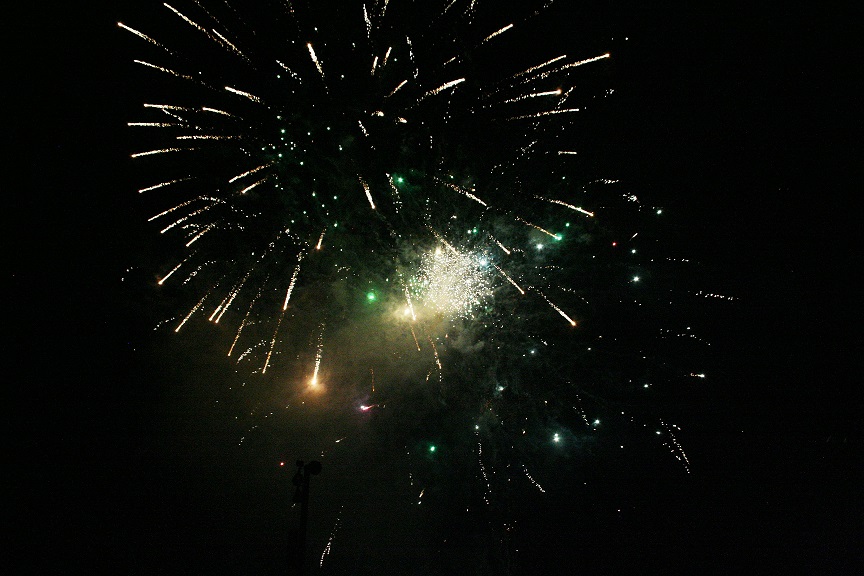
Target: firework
<point>392,179</point>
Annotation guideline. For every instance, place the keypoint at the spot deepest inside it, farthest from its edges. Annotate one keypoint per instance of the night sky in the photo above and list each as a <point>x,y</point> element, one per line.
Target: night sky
<point>126,451</point>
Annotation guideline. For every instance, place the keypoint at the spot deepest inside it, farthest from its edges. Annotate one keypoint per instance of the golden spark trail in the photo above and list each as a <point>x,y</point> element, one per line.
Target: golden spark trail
<point>217,111</point>
<point>251,186</point>
<point>164,278</point>
<point>163,184</point>
<point>143,36</point>
<point>557,309</point>
<point>246,318</point>
<point>232,46</point>
<point>416,343</point>
<point>532,95</point>
<point>546,113</point>
<point>320,239</point>
<point>162,151</point>
<point>181,205</point>
<point>315,60</point>
<point>494,34</point>
<point>401,84</point>
<point>200,234</point>
<point>537,227</point>
<point>539,66</point>
<point>273,342</point>
<point>184,218</point>
<point>248,172</point>
<point>155,124</point>
<point>191,312</point>
<point>251,97</point>
<point>570,206</point>
<point>293,281</point>
<point>441,88</point>
<point>368,193</point>
<point>509,279</point>
<point>165,70</point>
<point>462,191</point>
<point>314,381</point>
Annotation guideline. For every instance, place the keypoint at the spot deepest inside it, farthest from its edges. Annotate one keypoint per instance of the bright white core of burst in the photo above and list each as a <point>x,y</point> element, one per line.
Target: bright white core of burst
<point>452,283</point>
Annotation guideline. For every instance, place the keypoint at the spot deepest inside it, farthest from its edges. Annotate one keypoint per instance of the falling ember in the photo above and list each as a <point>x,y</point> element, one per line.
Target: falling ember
<point>496,33</point>
<point>314,380</point>
<point>161,151</point>
<point>163,184</point>
<point>570,206</point>
<point>272,343</point>
<point>557,309</point>
<point>509,279</point>
<point>293,281</point>
<point>555,236</point>
<point>320,239</point>
<point>248,172</point>
<point>315,60</point>
<point>251,97</point>
<point>441,88</point>
<point>368,193</point>
<point>165,70</point>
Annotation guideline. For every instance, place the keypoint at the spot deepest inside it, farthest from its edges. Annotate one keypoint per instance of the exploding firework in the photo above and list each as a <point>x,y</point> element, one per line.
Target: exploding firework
<point>331,155</point>
<point>379,195</point>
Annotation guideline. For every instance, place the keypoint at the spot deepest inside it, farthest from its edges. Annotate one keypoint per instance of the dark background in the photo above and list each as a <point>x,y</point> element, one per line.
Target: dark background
<point>741,117</point>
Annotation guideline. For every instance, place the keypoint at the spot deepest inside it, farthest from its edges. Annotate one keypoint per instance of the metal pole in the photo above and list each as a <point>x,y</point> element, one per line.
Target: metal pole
<point>301,496</point>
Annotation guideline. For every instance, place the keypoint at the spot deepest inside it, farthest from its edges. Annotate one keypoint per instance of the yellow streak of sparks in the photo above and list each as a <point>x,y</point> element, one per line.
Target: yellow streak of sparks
<point>293,281</point>
<point>251,97</point>
<point>570,206</point>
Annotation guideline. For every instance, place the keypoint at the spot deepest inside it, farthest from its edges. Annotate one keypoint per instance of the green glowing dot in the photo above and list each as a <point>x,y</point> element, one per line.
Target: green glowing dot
<point>432,448</point>
<point>371,296</point>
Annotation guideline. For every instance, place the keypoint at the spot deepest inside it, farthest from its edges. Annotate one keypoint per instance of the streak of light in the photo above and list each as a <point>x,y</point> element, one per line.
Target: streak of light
<point>537,227</point>
<point>401,84</point>
<point>163,69</point>
<point>191,312</point>
<point>217,111</point>
<point>160,185</point>
<point>466,193</point>
<point>248,172</point>
<point>539,66</point>
<point>251,186</point>
<point>443,87</point>
<point>509,279</point>
<point>161,151</point>
<point>557,309</point>
<point>533,481</point>
<point>368,193</point>
<point>319,352</point>
<point>570,206</point>
<point>533,95</point>
<point>496,33</point>
<point>293,281</point>
<point>200,234</point>
<point>272,342</point>
<point>315,60</point>
<point>545,113</point>
<point>142,36</point>
<point>251,97</point>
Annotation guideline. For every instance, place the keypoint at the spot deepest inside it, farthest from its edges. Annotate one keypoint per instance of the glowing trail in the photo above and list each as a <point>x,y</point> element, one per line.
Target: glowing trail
<point>164,184</point>
<point>557,309</point>
<point>293,281</point>
<point>251,97</point>
<point>570,206</point>
<point>248,172</point>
